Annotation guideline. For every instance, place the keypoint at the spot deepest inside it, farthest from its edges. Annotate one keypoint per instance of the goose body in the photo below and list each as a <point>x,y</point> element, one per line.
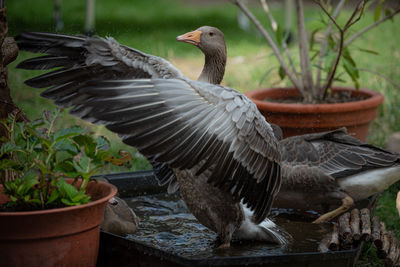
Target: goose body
<point>320,170</point>
<point>209,140</point>
<point>333,169</point>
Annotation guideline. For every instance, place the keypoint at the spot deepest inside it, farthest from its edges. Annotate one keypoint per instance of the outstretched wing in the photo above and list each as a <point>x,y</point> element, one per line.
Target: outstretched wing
<point>336,153</point>
<point>83,59</point>
<point>186,124</point>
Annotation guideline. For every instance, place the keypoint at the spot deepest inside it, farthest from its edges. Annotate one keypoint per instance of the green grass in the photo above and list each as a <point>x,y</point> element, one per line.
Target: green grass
<point>151,26</point>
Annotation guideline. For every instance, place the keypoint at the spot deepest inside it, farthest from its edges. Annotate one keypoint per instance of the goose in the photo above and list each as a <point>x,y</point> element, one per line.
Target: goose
<point>208,139</point>
<point>329,168</point>
<point>211,42</point>
<point>326,168</point>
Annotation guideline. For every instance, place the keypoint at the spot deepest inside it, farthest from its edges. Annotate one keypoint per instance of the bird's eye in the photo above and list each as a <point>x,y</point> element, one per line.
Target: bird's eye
<point>211,33</point>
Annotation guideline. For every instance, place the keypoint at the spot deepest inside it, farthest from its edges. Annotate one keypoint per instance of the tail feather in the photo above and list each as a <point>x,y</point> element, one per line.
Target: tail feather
<point>267,230</point>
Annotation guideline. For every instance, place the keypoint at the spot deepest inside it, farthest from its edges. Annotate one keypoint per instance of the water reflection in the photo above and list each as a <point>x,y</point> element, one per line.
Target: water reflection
<point>167,224</point>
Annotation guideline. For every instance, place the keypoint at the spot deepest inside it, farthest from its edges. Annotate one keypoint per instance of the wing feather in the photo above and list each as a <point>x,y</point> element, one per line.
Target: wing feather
<point>335,153</point>
<point>169,121</point>
<point>166,117</point>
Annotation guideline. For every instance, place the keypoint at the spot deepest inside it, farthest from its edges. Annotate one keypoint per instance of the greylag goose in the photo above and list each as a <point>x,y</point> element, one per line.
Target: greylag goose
<point>211,42</point>
<point>322,169</point>
<point>329,168</point>
<point>211,138</point>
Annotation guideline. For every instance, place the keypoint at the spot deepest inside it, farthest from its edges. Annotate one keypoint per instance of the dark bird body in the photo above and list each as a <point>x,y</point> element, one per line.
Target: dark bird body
<point>324,170</point>
<point>333,169</point>
<point>209,140</point>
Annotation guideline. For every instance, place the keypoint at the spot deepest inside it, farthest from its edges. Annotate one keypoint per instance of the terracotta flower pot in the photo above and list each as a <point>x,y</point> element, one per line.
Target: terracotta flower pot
<point>296,119</point>
<point>55,237</point>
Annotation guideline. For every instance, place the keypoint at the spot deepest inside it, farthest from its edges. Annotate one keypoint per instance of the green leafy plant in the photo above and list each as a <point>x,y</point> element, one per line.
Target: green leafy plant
<point>41,158</point>
<point>319,65</point>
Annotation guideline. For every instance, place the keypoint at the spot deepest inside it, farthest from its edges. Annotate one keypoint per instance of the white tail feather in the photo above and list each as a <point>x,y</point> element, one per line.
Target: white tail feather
<point>265,231</point>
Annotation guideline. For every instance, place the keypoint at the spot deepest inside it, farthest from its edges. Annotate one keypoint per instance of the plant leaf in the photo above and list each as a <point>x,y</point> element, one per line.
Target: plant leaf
<point>377,13</point>
<point>282,73</point>
<point>279,35</point>
<point>103,143</point>
<point>368,51</point>
<point>266,75</point>
<point>87,142</point>
<point>353,73</point>
<point>10,148</point>
<point>7,164</point>
<point>67,189</point>
<point>53,197</point>
<point>388,12</point>
<point>312,38</point>
<point>69,132</point>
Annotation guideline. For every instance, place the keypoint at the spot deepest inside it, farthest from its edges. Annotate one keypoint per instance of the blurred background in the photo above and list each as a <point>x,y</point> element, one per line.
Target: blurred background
<point>152,25</point>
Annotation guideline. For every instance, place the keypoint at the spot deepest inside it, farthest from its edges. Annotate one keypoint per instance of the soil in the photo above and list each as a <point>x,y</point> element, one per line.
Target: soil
<point>335,97</point>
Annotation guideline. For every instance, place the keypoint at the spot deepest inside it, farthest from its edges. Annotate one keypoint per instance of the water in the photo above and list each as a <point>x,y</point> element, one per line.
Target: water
<point>167,224</point>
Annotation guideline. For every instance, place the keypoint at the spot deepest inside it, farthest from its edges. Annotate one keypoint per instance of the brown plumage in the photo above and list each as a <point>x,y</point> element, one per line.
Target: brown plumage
<point>333,169</point>
<point>212,138</point>
<point>320,170</point>
<point>211,42</point>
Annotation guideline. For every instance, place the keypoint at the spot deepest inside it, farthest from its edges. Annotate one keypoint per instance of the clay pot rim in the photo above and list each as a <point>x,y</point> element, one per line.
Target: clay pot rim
<point>257,97</point>
<point>112,193</point>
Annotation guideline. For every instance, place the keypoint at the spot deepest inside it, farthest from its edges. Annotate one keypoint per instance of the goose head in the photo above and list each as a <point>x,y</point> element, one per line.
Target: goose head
<point>211,42</point>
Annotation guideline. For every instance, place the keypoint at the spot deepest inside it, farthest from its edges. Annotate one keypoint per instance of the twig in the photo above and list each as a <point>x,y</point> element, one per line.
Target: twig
<point>364,30</point>
<point>382,76</point>
<point>345,230</point>
<point>342,31</point>
<point>338,56</point>
<point>324,244</point>
<point>365,224</point>
<point>376,233</point>
<point>334,244</point>
<point>350,22</point>
<point>382,253</point>
<point>325,41</point>
<point>391,259</point>
<point>274,26</point>
<point>355,224</point>
<point>249,14</point>
<point>304,55</point>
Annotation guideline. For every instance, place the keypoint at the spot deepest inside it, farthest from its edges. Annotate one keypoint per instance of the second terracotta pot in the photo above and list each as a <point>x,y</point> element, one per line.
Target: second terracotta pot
<point>297,119</point>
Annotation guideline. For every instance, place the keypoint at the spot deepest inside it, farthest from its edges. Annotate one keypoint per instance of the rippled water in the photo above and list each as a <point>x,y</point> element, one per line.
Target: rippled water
<point>167,224</point>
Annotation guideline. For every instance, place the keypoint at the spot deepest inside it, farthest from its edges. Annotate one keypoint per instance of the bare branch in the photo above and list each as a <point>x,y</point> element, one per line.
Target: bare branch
<point>333,19</point>
<point>364,30</point>
<point>270,41</point>
<point>325,41</point>
<point>304,55</point>
<point>274,26</point>
<point>265,6</point>
<point>337,59</point>
<point>359,7</point>
<point>342,31</point>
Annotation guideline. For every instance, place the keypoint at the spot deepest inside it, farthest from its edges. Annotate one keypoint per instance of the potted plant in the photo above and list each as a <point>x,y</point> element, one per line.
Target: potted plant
<point>50,208</point>
<point>313,104</point>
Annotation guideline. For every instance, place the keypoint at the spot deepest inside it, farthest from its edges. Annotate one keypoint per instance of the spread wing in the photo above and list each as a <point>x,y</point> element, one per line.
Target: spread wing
<point>185,124</point>
<point>82,59</point>
<point>336,153</point>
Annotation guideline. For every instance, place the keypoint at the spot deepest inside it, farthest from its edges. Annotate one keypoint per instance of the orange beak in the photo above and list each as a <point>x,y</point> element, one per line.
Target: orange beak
<point>190,37</point>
